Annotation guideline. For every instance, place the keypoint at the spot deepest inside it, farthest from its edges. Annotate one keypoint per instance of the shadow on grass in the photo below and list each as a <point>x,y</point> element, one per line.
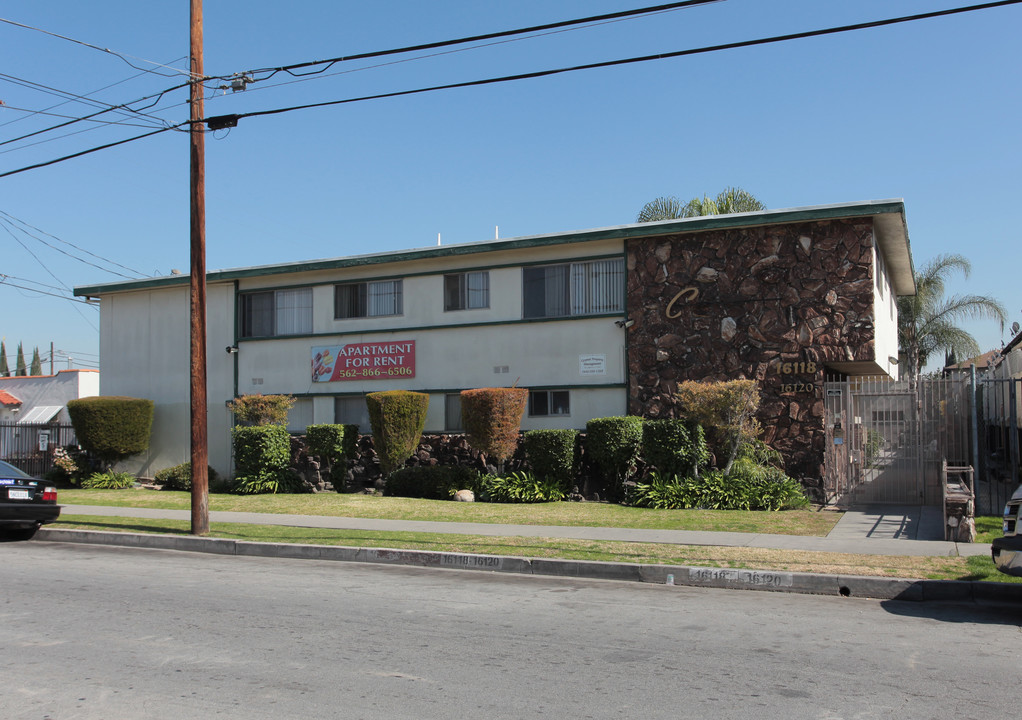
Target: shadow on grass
<point>120,527</point>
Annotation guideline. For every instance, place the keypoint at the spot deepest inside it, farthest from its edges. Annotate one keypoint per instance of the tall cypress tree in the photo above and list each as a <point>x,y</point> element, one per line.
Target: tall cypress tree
<point>37,363</point>
<point>20,369</point>
<point>4,370</point>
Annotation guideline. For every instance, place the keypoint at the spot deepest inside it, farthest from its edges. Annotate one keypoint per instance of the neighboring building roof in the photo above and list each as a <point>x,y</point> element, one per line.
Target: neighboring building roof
<point>888,215</point>
<point>7,399</point>
<point>982,362</point>
<point>40,414</point>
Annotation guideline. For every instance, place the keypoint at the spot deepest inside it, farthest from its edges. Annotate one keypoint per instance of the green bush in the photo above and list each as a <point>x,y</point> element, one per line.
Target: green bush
<point>397,418</point>
<point>332,443</point>
<point>551,454</point>
<point>674,447</point>
<point>492,418</point>
<point>108,480</point>
<point>612,445</point>
<point>749,486</point>
<point>261,457</point>
<point>437,482</point>
<point>112,428</point>
<point>179,477</point>
<point>519,487</point>
<point>259,409</point>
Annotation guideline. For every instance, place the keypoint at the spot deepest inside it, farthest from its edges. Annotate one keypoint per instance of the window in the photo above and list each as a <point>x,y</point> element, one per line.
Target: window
<point>368,299</point>
<point>452,412</point>
<point>543,403</point>
<point>352,410</point>
<point>582,288</point>
<point>467,291</point>
<point>276,312</point>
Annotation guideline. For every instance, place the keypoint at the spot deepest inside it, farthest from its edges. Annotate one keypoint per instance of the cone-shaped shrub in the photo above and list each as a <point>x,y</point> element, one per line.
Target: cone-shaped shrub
<point>112,428</point>
<point>492,418</point>
<point>397,418</point>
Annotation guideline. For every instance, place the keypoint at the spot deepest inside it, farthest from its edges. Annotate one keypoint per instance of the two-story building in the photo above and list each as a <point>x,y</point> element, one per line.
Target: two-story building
<point>595,323</point>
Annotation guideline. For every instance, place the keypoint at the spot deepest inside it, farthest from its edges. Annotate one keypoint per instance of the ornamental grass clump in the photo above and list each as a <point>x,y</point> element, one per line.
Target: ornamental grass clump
<point>397,418</point>
<point>492,418</point>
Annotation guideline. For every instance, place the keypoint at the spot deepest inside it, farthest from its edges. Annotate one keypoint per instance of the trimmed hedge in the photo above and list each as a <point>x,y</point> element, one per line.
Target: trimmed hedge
<point>332,443</point>
<point>612,445</point>
<point>551,454</point>
<point>261,457</point>
<point>397,418</point>
<point>437,482</point>
<point>113,427</point>
<point>258,409</point>
<point>492,418</point>
<point>674,447</point>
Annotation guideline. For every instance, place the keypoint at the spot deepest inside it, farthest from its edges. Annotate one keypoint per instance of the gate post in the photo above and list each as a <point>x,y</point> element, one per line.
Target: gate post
<point>975,423</point>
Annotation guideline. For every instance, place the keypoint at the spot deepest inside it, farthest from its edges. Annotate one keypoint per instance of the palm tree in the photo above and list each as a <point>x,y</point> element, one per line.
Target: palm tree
<point>927,321</point>
<point>730,200</point>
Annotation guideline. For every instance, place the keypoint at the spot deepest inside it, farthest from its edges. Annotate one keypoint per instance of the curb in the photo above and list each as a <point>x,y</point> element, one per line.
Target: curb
<point>878,588</point>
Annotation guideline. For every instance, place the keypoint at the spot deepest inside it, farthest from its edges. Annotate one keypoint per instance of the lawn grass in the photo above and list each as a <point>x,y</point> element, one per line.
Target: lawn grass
<point>989,527</point>
<point>934,568</point>
<point>584,514</point>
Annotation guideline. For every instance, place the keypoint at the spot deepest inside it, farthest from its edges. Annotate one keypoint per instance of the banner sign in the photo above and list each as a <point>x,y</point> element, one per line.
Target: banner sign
<point>364,361</point>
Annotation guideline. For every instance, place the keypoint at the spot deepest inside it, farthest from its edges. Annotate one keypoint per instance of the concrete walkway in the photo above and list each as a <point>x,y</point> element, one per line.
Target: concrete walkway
<point>879,530</point>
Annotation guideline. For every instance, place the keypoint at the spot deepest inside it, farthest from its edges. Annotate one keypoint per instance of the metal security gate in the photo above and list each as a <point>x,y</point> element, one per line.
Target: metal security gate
<point>30,447</point>
<point>886,441</point>
<point>999,403</point>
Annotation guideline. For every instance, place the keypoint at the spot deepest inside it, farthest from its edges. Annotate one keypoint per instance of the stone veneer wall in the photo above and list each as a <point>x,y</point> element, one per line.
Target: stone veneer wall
<point>775,303</point>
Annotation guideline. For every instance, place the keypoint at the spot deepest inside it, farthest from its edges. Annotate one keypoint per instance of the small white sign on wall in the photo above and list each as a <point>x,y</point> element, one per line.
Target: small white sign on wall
<point>592,364</point>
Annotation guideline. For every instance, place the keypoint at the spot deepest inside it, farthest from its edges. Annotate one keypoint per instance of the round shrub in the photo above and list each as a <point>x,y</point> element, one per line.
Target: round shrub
<point>179,477</point>
<point>674,447</point>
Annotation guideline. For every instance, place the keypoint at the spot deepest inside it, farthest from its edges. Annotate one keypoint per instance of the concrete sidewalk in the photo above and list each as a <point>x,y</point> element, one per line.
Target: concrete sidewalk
<point>873,531</point>
<point>881,530</point>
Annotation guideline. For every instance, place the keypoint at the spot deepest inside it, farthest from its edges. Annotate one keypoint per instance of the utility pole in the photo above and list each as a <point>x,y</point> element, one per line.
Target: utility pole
<point>200,451</point>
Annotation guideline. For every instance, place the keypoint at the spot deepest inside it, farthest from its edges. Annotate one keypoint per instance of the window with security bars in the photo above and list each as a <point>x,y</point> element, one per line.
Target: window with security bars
<point>579,288</point>
<point>368,299</point>
<point>276,312</point>
<point>467,291</point>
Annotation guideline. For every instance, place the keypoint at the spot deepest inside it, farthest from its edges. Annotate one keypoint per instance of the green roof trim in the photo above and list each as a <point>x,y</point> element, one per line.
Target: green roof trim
<point>619,232</point>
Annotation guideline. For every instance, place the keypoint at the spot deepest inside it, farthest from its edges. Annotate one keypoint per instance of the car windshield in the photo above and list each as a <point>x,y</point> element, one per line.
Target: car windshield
<point>9,471</point>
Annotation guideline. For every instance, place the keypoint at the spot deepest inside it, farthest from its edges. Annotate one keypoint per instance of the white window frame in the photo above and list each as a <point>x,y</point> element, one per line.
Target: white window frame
<point>467,291</point>
<point>377,298</point>
<point>290,314</point>
<point>591,287</point>
<point>551,404</point>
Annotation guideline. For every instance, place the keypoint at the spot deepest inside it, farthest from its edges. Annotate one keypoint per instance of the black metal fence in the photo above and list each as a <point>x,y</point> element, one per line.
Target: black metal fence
<point>31,447</point>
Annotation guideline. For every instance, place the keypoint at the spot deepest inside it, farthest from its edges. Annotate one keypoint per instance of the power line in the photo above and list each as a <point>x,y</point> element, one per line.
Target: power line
<point>4,282</point>
<point>121,56</point>
<point>473,38</point>
<point>225,121</point>
<point>13,219</point>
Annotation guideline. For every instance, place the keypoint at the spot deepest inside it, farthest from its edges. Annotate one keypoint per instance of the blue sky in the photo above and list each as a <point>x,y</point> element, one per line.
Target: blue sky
<point>926,111</point>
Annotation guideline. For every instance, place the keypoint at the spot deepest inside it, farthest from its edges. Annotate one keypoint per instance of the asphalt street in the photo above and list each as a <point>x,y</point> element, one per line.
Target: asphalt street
<point>106,632</point>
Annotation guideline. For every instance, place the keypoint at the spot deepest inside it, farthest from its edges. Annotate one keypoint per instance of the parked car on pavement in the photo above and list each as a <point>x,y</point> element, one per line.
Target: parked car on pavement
<point>1007,550</point>
<point>25,503</point>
